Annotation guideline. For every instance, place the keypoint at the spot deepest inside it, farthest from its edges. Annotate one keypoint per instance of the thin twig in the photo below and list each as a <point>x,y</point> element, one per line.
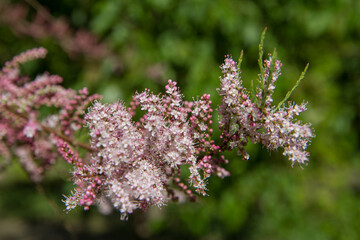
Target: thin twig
<point>52,131</point>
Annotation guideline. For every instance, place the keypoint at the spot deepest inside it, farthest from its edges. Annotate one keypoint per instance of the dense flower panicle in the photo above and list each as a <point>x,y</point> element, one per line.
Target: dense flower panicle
<point>243,118</point>
<point>24,131</point>
<point>292,136</point>
<point>138,162</point>
<point>237,111</point>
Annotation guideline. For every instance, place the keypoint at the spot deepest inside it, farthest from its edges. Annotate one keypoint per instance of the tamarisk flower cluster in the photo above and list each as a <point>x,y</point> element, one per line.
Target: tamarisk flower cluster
<point>24,131</point>
<point>137,164</point>
<point>256,119</point>
<point>167,153</point>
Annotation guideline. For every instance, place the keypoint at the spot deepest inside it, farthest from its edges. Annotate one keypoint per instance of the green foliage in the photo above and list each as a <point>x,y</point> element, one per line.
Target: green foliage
<point>293,88</point>
<point>186,41</point>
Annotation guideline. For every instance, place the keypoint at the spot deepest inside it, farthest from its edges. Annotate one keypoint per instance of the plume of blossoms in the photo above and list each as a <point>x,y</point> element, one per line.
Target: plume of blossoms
<point>245,117</point>
<point>138,164</point>
<point>169,152</point>
<point>24,131</point>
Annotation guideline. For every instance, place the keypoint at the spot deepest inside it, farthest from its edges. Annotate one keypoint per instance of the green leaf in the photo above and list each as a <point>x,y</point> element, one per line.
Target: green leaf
<point>302,76</point>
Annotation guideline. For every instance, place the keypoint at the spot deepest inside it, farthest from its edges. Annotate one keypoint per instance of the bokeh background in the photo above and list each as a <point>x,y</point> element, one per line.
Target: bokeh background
<point>117,47</point>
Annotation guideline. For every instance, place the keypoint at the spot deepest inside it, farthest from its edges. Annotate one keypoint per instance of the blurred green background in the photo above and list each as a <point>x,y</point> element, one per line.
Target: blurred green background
<point>146,42</point>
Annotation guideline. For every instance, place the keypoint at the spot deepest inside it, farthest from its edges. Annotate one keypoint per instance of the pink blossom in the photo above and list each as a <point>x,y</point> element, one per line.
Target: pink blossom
<point>256,119</point>
<point>30,129</point>
<point>138,164</point>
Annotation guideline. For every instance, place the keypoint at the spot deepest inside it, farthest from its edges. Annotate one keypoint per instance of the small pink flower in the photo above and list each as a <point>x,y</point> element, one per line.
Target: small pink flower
<point>30,129</point>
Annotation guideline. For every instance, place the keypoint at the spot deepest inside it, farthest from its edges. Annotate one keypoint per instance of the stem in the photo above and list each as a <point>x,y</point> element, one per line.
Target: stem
<point>73,142</point>
<point>66,138</point>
